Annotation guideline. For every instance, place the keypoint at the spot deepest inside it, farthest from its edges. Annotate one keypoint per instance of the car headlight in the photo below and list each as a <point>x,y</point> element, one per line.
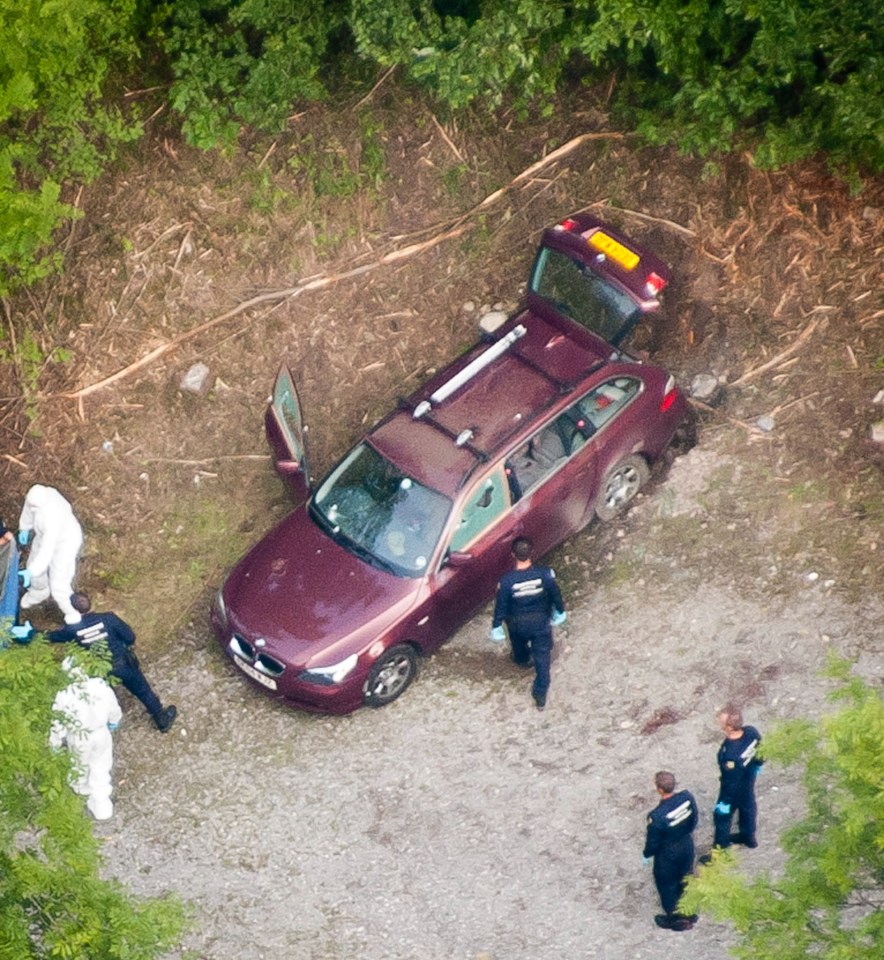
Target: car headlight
<point>221,607</point>
<point>329,675</point>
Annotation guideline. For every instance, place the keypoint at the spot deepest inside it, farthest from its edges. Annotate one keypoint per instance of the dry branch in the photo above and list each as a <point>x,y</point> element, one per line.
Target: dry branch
<point>774,361</point>
<point>448,232</point>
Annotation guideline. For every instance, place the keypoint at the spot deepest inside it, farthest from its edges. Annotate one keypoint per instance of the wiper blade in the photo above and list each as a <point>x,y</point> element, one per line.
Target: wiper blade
<point>336,534</point>
<point>364,553</point>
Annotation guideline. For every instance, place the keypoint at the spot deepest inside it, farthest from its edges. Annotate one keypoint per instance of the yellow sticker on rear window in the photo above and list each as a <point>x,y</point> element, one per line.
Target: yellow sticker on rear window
<point>614,250</point>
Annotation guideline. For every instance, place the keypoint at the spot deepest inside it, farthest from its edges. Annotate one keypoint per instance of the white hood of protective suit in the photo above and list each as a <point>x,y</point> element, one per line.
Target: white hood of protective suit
<point>57,532</point>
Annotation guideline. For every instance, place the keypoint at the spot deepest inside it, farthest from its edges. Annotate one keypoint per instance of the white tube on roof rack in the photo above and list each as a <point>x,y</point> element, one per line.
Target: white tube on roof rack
<point>470,370</point>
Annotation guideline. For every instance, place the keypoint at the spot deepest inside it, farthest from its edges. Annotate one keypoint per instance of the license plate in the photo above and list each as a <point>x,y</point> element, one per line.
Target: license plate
<point>250,671</point>
<point>614,251</point>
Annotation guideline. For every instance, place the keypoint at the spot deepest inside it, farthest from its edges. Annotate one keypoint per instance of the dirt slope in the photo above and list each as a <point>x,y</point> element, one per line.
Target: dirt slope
<point>457,822</point>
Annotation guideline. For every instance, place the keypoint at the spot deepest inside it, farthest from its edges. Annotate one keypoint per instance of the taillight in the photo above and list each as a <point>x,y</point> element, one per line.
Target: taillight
<point>569,224</point>
<point>655,283</point>
<point>669,394</point>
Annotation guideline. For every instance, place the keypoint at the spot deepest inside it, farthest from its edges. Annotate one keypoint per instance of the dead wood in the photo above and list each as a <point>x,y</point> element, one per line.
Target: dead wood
<point>774,361</point>
<point>326,280</point>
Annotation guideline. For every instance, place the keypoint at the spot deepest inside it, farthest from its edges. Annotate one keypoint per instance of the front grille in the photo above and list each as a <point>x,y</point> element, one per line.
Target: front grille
<point>241,648</point>
<point>269,665</point>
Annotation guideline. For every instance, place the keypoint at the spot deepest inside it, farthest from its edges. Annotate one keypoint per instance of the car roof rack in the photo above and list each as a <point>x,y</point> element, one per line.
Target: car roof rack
<point>461,438</point>
<point>475,366</point>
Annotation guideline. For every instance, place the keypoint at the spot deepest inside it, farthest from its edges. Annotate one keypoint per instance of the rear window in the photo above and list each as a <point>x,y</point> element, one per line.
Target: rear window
<point>573,289</point>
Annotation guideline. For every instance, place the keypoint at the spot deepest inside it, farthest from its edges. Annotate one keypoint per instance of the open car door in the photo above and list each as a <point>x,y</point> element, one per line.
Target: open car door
<point>286,434</point>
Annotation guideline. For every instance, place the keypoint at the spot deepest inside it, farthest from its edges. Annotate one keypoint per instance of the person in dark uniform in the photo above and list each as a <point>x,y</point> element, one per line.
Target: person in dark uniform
<point>669,841</point>
<point>94,628</point>
<point>529,601</point>
<point>739,765</point>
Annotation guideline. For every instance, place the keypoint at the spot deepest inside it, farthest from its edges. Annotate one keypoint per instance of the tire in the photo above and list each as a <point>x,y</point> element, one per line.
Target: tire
<point>622,482</point>
<point>390,676</point>
<point>685,438</point>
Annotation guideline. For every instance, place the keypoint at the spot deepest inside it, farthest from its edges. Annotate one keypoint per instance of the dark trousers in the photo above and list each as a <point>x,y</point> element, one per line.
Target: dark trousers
<point>127,668</point>
<point>532,637</point>
<point>671,869</point>
<point>744,806</point>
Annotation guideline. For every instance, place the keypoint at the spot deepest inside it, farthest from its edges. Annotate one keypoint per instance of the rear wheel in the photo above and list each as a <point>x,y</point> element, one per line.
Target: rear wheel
<point>390,676</point>
<point>622,482</point>
<point>685,438</point>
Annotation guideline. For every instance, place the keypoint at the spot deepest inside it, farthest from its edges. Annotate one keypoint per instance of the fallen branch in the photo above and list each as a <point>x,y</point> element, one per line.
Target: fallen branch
<point>799,342</point>
<point>645,216</point>
<point>207,460</point>
<point>166,233</point>
<point>562,151</point>
<point>721,415</point>
<point>448,140</point>
<point>452,230</point>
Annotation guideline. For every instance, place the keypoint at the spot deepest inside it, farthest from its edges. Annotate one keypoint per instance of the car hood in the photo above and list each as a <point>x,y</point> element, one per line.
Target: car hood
<point>305,594</point>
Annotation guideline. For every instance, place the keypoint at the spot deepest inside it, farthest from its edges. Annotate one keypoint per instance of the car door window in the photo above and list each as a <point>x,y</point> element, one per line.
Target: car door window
<point>486,503</point>
<point>603,403</point>
<point>559,440</point>
<point>287,409</point>
<point>537,458</point>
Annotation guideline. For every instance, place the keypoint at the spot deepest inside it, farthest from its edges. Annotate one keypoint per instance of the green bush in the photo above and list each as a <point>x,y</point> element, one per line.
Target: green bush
<point>53,901</point>
<point>825,902</point>
<point>56,128</point>
<point>243,62</point>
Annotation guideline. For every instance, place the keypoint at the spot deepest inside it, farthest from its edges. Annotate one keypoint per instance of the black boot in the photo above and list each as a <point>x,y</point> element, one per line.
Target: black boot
<point>165,719</point>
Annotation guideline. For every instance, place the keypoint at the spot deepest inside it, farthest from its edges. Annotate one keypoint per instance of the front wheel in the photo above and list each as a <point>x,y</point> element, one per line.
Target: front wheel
<point>622,482</point>
<point>390,676</point>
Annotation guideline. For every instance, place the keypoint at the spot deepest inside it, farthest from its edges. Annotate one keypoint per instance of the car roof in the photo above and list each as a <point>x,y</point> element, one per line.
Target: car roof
<point>441,442</point>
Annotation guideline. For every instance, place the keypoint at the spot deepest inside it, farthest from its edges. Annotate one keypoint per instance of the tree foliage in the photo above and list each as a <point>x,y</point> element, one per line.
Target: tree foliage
<point>56,125</point>
<point>782,79</point>
<point>786,80</point>
<point>53,903</point>
<point>827,902</point>
<point>238,62</point>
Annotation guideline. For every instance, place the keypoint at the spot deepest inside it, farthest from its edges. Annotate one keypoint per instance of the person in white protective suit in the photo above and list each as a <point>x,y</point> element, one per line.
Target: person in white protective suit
<point>87,711</point>
<point>52,561</point>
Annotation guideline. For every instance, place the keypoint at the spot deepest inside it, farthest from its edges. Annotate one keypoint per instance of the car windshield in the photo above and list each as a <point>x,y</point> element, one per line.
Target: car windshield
<point>576,291</point>
<point>383,516</point>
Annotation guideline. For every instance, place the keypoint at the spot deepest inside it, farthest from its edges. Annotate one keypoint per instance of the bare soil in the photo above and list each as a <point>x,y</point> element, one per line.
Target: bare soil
<point>458,822</point>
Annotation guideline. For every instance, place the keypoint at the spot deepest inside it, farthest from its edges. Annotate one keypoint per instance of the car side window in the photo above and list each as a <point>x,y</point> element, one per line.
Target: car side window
<point>537,458</point>
<point>603,403</point>
<point>550,447</point>
<point>485,504</point>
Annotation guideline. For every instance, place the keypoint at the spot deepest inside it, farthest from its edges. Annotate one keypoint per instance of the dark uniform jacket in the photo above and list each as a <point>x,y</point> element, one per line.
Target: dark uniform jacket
<point>738,764</point>
<point>530,593</point>
<point>670,825</point>
<point>95,627</point>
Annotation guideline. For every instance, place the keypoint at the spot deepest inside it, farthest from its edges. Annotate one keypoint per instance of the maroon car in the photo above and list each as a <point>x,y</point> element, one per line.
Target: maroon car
<point>544,424</point>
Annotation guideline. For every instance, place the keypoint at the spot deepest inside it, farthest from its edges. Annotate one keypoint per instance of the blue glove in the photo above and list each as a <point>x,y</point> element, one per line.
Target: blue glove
<point>646,860</point>
<point>498,634</point>
<point>25,578</point>
<point>22,633</point>
<point>722,808</point>
<point>558,617</point>
<point>23,537</point>
<point>112,726</point>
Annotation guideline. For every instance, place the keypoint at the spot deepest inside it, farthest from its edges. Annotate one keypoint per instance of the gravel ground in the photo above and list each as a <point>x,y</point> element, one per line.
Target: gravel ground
<point>459,823</point>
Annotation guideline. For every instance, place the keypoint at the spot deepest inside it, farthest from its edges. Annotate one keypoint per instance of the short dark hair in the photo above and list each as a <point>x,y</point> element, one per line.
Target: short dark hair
<point>733,716</point>
<point>665,781</point>
<point>80,602</point>
<point>522,548</point>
